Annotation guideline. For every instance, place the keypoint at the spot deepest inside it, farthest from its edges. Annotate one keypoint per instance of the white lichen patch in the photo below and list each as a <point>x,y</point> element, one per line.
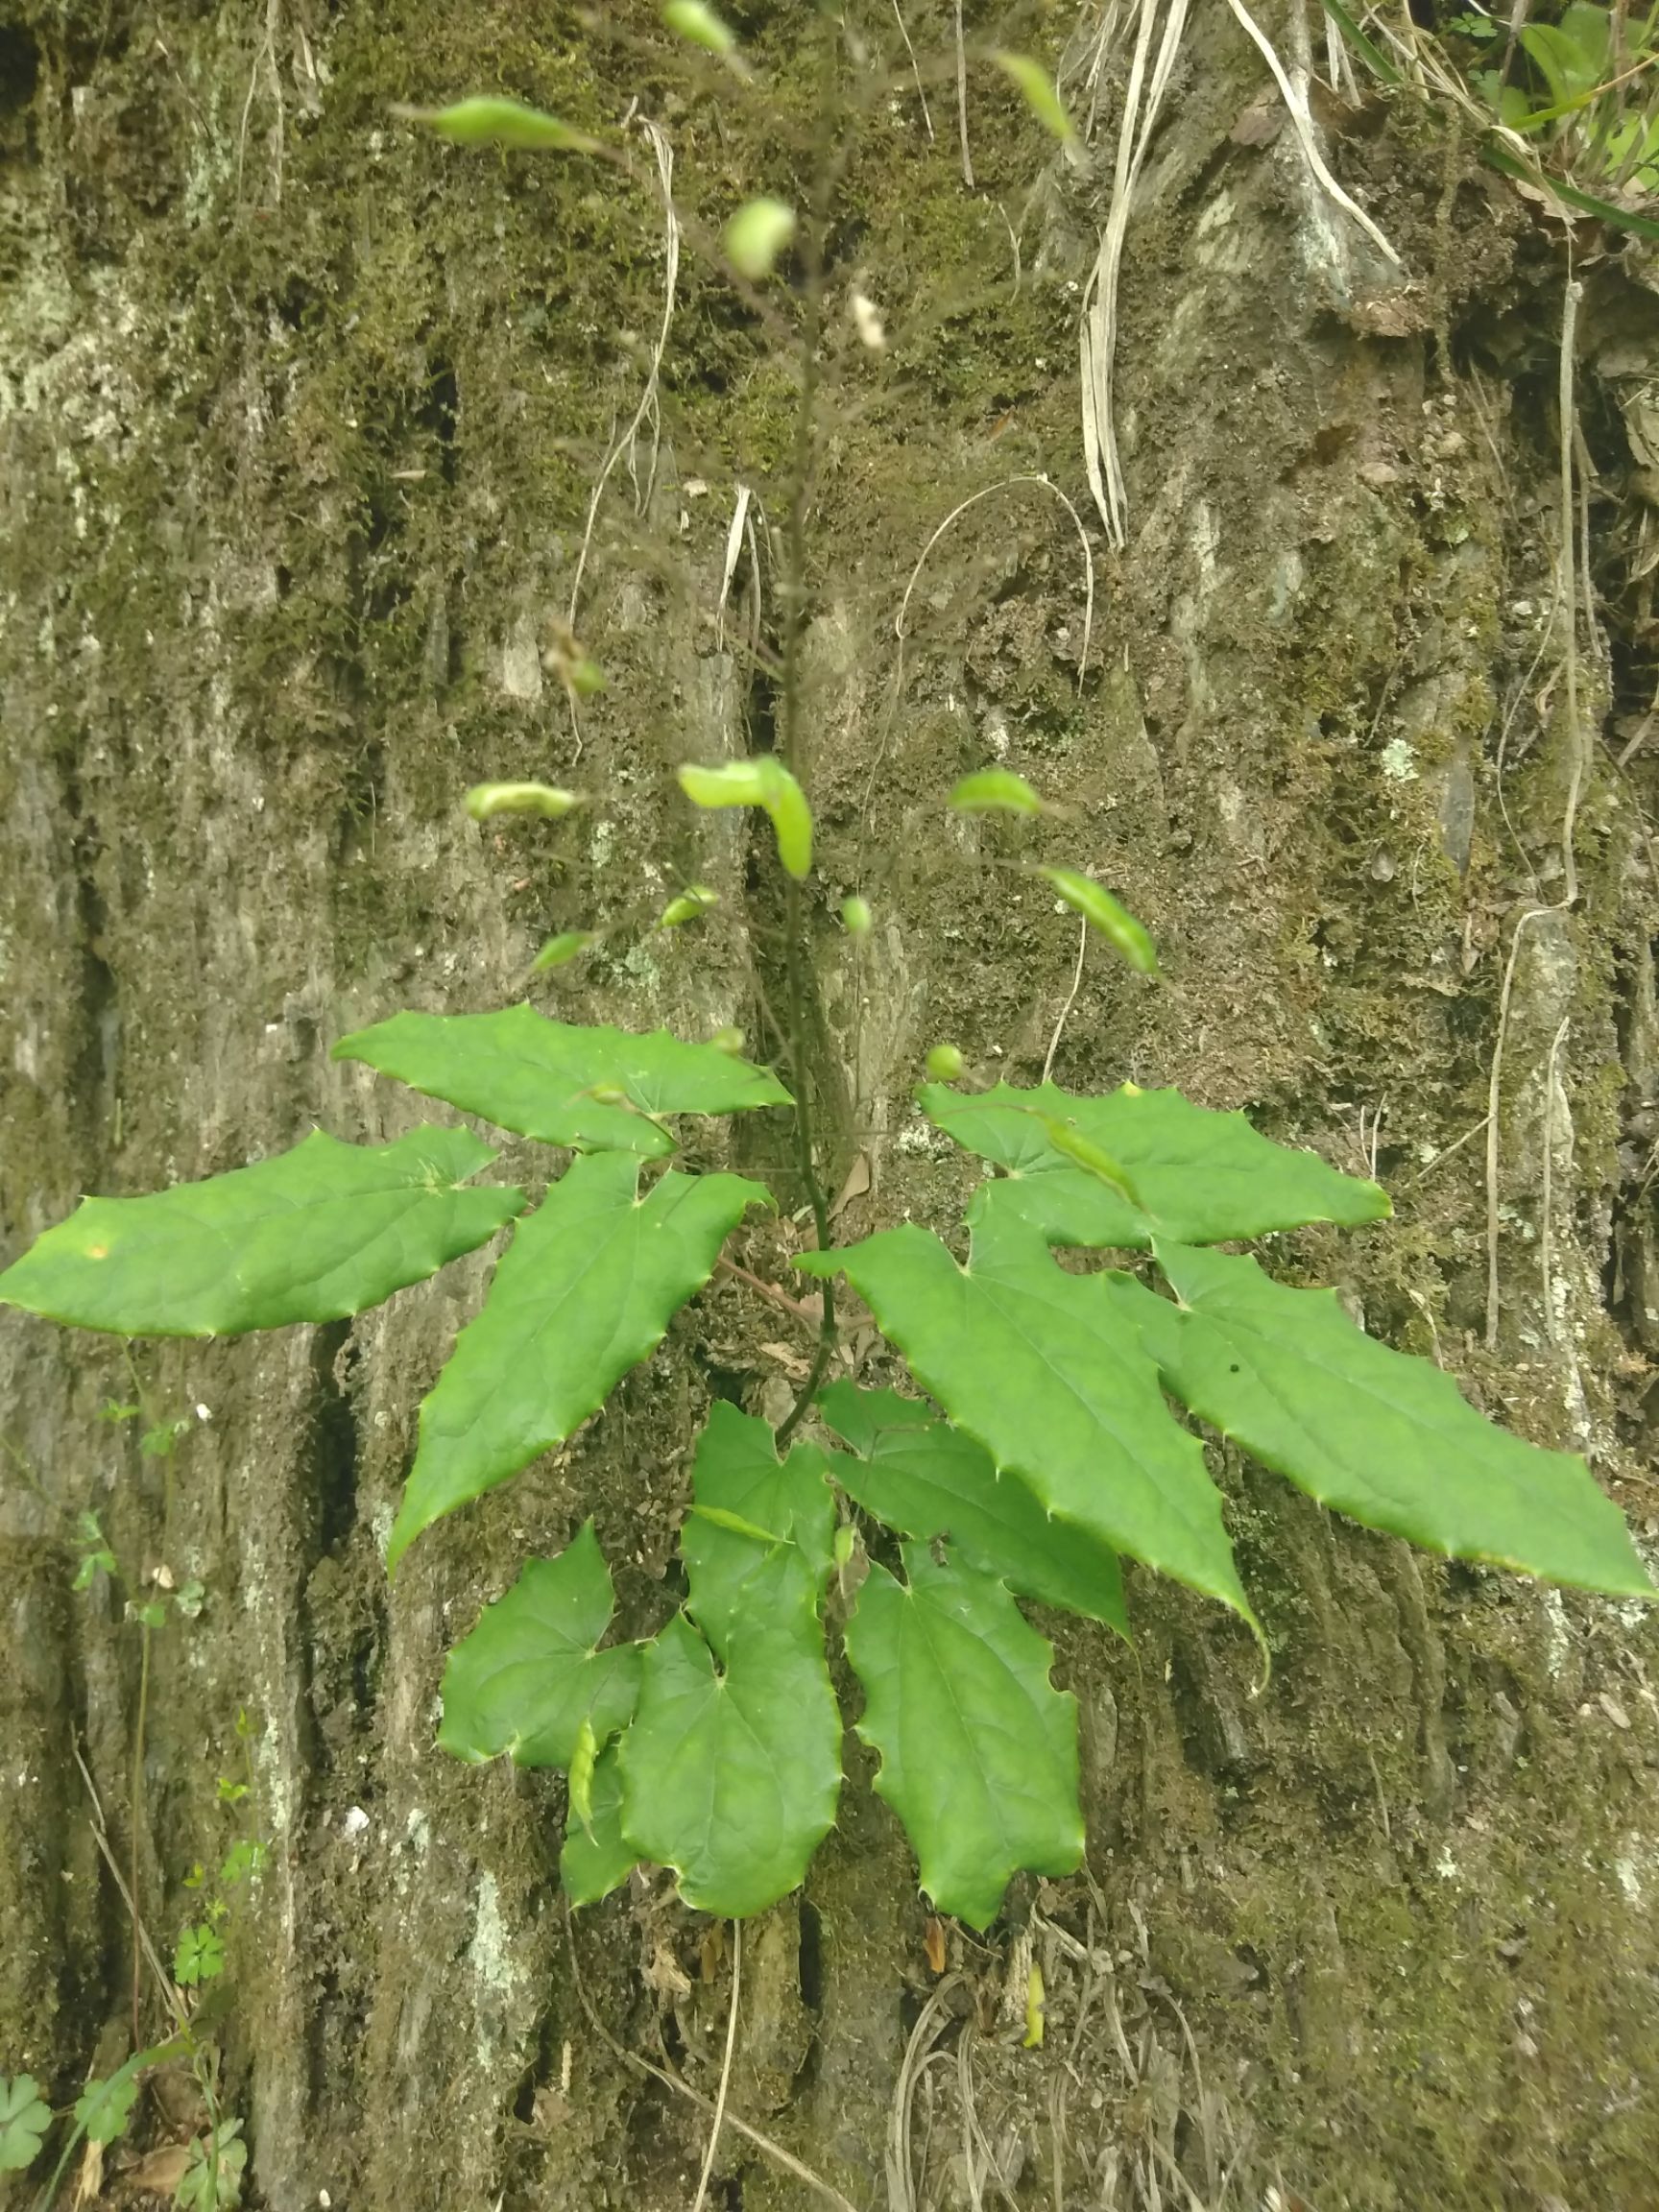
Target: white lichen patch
<point>1398,761</point>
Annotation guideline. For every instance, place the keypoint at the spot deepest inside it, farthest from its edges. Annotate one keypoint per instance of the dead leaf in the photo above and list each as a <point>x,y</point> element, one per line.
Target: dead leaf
<point>159,2172</point>
<point>662,1972</point>
<point>89,2182</point>
<point>1260,124</point>
<point>858,1182</point>
<point>935,1941</point>
<point>549,2110</point>
<point>789,1359</point>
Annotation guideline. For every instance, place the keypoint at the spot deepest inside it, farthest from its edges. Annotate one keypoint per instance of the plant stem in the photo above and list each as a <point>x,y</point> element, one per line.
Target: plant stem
<point>136,1816</point>
<point>814,247</point>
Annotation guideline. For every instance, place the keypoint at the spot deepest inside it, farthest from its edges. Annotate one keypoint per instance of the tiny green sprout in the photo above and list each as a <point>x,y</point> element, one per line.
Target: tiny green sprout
<point>486,121</point>
<point>231,1793</point>
<point>766,783</point>
<point>485,799</point>
<point>197,1877</point>
<point>190,1597</point>
<point>199,1958</point>
<point>1040,97</point>
<point>112,1410</point>
<point>24,2119</point>
<point>242,1862</point>
<point>856,918</point>
<point>994,792</point>
<point>728,1041</point>
<point>944,1064</point>
<point>1103,912</point>
<point>691,904</point>
<point>557,950</point>
<point>757,234</point>
<point>96,1557</point>
<point>151,1613</point>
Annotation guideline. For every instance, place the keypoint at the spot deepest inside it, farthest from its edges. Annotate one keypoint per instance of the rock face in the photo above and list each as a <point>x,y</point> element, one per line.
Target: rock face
<point>301,418</point>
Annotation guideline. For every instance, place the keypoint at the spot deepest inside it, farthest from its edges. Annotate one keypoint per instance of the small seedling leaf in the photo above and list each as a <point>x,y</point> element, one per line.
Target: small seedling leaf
<point>486,800</point>
<point>524,1071</point>
<point>978,1750</point>
<point>24,2119</point>
<point>757,234</point>
<point>492,121</point>
<point>212,2180</point>
<point>764,783</point>
<point>1386,1438</point>
<point>584,1290</point>
<point>312,1235</point>
<point>531,1676</point>
<point>926,1479</point>
<point>1040,97</point>
<point>699,25</point>
<point>994,792</point>
<point>1103,912</point>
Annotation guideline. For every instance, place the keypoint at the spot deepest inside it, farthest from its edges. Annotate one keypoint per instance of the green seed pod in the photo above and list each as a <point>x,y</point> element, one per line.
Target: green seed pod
<point>944,1064</point>
<point>994,792</point>
<point>582,1766</point>
<point>485,121</point>
<point>857,917</point>
<point>1103,912</point>
<point>846,1536</point>
<point>730,1040</point>
<point>692,903</point>
<point>757,234</point>
<point>1066,1137</point>
<point>565,947</point>
<point>486,798</point>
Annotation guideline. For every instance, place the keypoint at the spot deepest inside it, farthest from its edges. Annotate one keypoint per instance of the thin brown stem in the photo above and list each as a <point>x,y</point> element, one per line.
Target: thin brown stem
<point>136,1818</point>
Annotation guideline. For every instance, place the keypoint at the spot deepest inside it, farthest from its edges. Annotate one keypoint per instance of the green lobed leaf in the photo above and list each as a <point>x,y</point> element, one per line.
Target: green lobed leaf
<point>732,1766</point>
<point>532,1673</point>
<point>925,1478</point>
<point>584,1290</point>
<point>1040,1368</point>
<point>737,1474</point>
<point>1199,1177</point>
<point>312,1235</point>
<point>548,1079</point>
<point>24,2119</point>
<point>104,2108</point>
<point>487,120</point>
<point>1383,1437</point>
<point>595,1859</point>
<point>978,1750</point>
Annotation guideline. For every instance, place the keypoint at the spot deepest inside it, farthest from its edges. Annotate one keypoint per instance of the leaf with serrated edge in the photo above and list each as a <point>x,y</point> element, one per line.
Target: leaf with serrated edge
<point>524,1071</point>
<point>1038,1366</point>
<point>532,1672</point>
<point>312,1235</point>
<point>586,1289</point>
<point>732,1766</point>
<point>1201,1177</point>
<point>978,1750</point>
<point>595,1860</point>
<point>732,1769</point>
<point>1383,1437</point>
<point>737,1473</point>
<point>925,1478</point>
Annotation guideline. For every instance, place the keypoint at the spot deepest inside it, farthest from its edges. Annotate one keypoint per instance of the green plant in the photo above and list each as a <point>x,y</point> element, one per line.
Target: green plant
<point>1590,90</point>
<point>712,1747</point>
<point>1045,1452</point>
<point>24,2119</point>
